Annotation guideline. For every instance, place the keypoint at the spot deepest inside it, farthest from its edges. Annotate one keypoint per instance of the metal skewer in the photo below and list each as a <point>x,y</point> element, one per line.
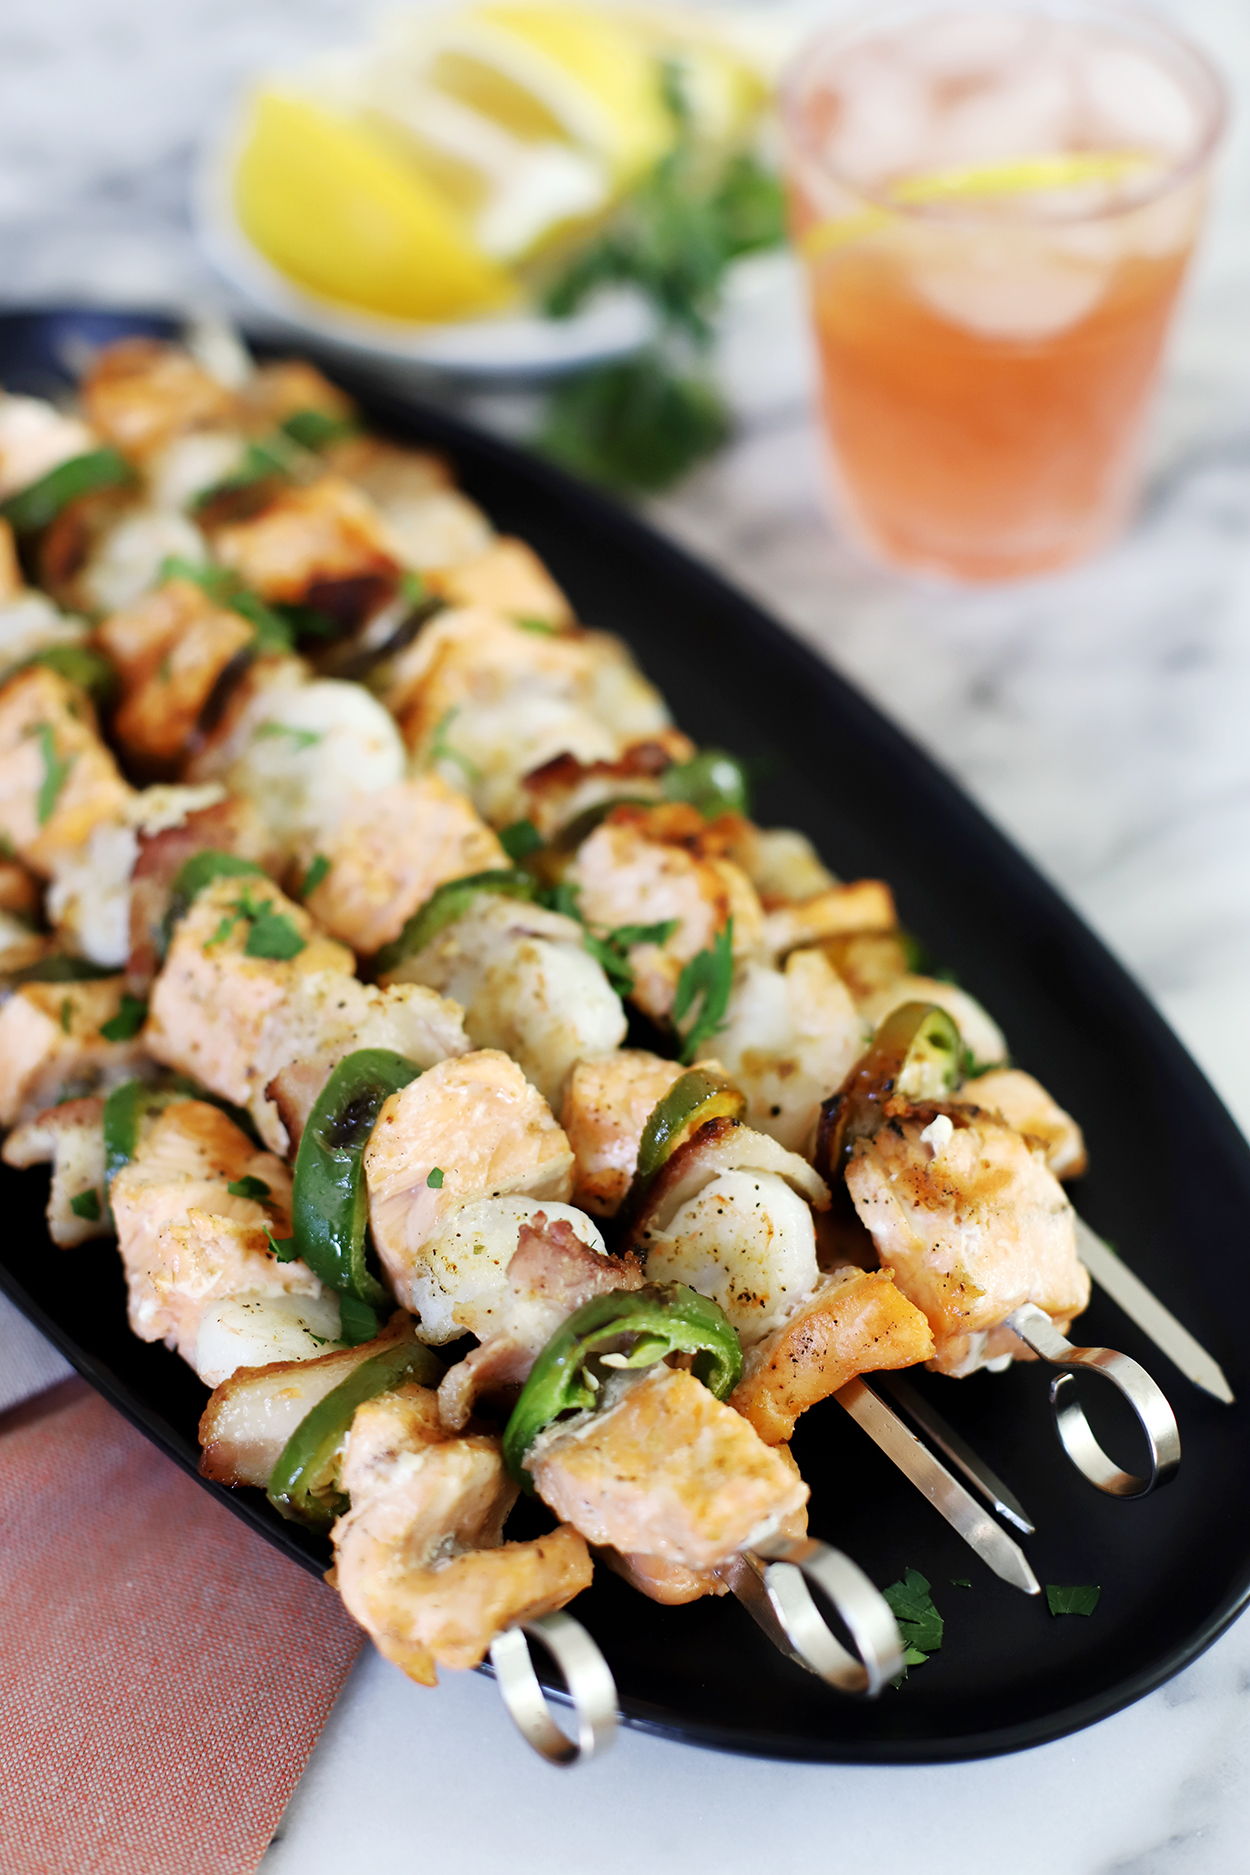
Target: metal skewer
<point>1143,1394</point>
<point>591,1688</point>
<point>931,1478</point>
<point>959,1452</point>
<point>769,1582</point>
<point>1144,1308</point>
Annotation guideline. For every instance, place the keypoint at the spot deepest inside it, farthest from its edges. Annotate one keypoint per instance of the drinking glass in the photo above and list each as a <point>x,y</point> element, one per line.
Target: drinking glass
<point>995,205</point>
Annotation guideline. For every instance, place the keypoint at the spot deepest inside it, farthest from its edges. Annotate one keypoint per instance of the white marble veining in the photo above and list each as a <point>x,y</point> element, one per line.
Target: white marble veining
<point>1101,716</point>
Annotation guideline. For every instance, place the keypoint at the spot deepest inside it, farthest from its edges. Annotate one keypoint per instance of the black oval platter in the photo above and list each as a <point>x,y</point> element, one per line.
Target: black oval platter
<point>1169,1185</point>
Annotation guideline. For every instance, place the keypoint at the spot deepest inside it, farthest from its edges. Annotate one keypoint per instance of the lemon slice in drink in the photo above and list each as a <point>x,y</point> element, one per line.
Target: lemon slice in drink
<point>336,210</point>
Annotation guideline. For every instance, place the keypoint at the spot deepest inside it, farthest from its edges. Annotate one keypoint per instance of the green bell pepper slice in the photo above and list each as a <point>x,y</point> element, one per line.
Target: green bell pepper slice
<point>330,1209</point>
<point>35,506</point>
<point>448,903</point>
<point>125,1111</point>
<point>915,1055</point>
<point>303,1484</point>
<point>663,1318</point>
<point>696,1096</point>
<point>713,781</point>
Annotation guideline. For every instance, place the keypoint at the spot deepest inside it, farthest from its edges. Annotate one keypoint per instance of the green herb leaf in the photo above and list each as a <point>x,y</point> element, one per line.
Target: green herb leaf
<point>413,589</point>
<point>315,429</point>
<point>709,977</point>
<point>960,1582</point>
<point>561,897</point>
<point>520,840</point>
<point>55,774</point>
<point>248,1187</point>
<point>284,1248</point>
<point>315,874</point>
<point>299,738</point>
<point>1071,1601</point>
<point>636,425</point>
<point>66,1014</point>
<point>435,1180</point>
<point>274,936</point>
<point>130,1018</point>
<point>540,625</point>
<point>612,950</point>
<point>258,463</point>
<point>442,751</point>
<point>919,1623</point>
<point>86,1204</point>
<point>273,633</point>
<point>357,1321</point>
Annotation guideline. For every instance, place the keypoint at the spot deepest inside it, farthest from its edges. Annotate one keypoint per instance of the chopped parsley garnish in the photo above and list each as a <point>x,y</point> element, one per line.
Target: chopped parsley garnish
<point>1071,1601</point>
<point>272,934</point>
<point>435,1180</point>
<point>960,1582</point>
<point>919,1623</point>
<point>66,1013</point>
<point>248,1187</point>
<point>612,950</point>
<point>520,840</point>
<point>709,977</point>
<point>542,626</point>
<point>285,1249</point>
<point>86,1204</point>
<point>299,738</point>
<point>442,751</point>
<point>561,897</point>
<point>130,1018</point>
<point>315,874</point>
<point>55,774</point>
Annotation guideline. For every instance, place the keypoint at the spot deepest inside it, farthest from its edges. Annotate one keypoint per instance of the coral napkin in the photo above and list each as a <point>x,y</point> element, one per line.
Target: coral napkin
<point>164,1673</point>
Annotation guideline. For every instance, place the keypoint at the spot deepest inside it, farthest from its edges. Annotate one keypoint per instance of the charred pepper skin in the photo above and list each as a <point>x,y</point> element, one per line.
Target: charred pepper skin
<point>330,1208</point>
<point>698,1095</point>
<point>301,1485</point>
<point>665,1318</point>
<point>916,1054</point>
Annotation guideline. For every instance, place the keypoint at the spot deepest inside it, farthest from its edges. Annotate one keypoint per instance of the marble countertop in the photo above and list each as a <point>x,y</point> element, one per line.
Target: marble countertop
<point>1100,716</point>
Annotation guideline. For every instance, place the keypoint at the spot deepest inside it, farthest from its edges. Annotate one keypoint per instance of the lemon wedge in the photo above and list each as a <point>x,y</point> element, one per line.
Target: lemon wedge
<point>557,73</point>
<point>337,211</point>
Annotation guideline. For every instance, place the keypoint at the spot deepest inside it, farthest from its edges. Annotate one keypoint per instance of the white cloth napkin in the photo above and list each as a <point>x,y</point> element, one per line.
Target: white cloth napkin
<point>28,1363</point>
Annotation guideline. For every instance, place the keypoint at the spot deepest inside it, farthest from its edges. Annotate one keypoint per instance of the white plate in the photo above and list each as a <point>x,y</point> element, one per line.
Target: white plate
<point>615,323</point>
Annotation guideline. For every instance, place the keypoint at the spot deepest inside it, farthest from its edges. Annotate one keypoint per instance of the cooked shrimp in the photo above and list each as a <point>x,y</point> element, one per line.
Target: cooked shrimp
<point>790,1037</point>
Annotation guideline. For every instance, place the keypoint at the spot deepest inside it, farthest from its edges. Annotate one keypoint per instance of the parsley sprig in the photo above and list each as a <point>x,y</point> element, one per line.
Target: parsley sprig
<point>708,977</point>
<point>56,771</point>
<point>640,423</point>
<point>612,950</point>
<point>272,934</point>
<point>919,1623</point>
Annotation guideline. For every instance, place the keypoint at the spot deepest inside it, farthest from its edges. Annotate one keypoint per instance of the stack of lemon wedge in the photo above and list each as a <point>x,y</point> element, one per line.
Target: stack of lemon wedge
<point>421,176</point>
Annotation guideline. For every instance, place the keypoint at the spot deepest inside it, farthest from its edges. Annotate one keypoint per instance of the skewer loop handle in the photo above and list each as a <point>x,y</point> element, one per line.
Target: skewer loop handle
<point>591,1688</point>
<point>1143,1394</point>
<point>778,1568</point>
